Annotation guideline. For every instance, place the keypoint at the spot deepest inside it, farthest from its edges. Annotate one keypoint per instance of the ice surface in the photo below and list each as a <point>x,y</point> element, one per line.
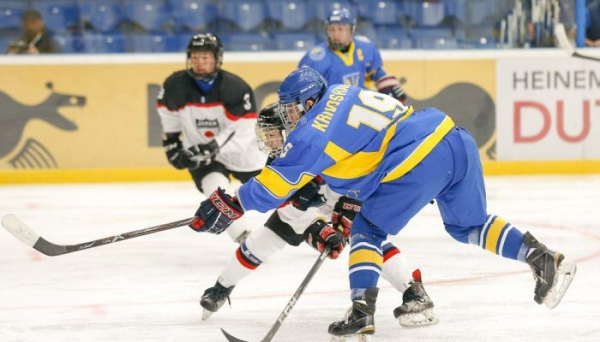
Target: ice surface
<point>147,289</point>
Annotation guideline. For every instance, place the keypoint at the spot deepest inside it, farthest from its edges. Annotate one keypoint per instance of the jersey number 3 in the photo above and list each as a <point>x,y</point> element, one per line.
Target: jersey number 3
<point>376,110</point>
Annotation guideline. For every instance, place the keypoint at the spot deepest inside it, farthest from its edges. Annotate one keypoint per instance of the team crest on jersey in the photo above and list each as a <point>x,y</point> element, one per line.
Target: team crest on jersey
<point>352,78</point>
<point>207,123</point>
<point>317,54</point>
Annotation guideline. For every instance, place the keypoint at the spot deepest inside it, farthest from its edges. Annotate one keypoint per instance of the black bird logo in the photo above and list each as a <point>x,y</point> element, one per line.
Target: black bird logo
<point>14,116</point>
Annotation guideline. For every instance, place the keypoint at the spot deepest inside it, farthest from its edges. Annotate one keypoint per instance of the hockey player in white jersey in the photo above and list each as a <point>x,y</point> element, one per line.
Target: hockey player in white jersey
<point>304,219</point>
<point>208,117</point>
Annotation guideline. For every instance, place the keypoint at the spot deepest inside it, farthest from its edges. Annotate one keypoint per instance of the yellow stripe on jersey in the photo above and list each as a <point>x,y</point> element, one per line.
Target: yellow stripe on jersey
<point>421,151</point>
<point>347,58</point>
<point>350,166</point>
<point>361,256</point>
<point>493,235</point>
<point>278,185</point>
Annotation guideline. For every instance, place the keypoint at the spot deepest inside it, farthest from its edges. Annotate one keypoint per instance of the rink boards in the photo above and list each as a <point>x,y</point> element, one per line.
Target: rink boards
<point>92,118</point>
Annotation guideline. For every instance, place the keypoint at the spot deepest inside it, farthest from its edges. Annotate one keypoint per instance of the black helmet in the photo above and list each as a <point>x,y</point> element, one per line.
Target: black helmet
<point>270,131</point>
<point>205,42</point>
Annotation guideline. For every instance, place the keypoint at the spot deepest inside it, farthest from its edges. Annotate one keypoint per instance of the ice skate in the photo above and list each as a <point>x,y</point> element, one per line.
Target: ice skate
<point>551,272</point>
<point>417,308</point>
<point>214,298</point>
<point>359,320</point>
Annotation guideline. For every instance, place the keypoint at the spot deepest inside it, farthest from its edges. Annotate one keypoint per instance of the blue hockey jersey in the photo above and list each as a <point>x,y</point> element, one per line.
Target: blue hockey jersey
<point>360,64</point>
<point>355,139</point>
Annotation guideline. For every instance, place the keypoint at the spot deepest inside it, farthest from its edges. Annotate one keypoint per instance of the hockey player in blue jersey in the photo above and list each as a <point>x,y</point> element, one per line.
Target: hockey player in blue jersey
<point>371,147</point>
<point>349,59</point>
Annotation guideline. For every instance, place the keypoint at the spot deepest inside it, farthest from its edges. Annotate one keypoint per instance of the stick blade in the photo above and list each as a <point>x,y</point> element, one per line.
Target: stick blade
<point>19,230</point>
<point>231,338</point>
<point>22,232</point>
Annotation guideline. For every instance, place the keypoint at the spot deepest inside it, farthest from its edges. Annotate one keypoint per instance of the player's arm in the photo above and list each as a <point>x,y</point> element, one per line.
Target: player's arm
<point>285,175</point>
<point>385,83</point>
<point>169,105</point>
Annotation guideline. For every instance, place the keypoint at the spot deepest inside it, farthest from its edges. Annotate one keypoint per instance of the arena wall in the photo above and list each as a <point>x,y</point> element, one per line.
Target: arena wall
<point>91,118</point>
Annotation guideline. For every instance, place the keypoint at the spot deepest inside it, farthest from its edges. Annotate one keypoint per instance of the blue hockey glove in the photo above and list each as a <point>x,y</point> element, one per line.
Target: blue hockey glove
<point>216,213</point>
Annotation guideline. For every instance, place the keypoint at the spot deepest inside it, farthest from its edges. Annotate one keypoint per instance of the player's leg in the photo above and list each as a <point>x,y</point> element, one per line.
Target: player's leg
<point>385,212</point>
<point>463,209</point>
<point>417,307</point>
<point>285,226</point>
<point>261,244</point>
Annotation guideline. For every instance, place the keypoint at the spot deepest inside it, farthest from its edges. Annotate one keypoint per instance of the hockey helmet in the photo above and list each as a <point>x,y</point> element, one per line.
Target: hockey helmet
<point>340,16</point>
<point>270,130</point>
<point>205,42</point>
<point>301,85</point>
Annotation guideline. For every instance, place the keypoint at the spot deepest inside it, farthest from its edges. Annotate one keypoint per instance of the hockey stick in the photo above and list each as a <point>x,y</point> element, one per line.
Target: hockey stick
<point>22,232</point>
<point>290,304</point>
<point>563,42</point>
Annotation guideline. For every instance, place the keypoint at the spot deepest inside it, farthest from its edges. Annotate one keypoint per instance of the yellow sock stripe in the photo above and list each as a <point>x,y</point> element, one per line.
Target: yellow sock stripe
<point>365,256</point>
<point>421,151</point>
<point>278,185</point>
<point>493,235</point>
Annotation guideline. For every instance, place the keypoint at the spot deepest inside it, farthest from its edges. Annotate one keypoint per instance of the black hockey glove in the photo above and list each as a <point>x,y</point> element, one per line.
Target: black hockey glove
<point>216,213</point>
<point>205,153</point>
<point>343,214</point>
<point>176,155</point>
<point>308,196</point>
<point>321,235</point>
<point>390,85</point>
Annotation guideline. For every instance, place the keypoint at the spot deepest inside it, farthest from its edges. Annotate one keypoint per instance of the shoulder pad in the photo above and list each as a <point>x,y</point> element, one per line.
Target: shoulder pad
<point>362,39</point>
<point>317,53</point>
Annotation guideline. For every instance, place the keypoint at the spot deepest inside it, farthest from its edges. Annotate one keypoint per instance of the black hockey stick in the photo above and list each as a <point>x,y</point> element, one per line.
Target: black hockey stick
<point>290,304</point>
<point>563,41</point>
<point>22,232</point>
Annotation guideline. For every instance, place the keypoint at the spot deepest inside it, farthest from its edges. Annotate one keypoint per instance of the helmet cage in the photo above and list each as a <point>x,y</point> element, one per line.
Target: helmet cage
<point>270,131</point>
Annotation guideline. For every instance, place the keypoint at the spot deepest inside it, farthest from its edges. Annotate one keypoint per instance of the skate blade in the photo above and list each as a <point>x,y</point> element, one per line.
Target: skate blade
<point>563,278</point>
<point>419,319</point>
<point>206,314</point>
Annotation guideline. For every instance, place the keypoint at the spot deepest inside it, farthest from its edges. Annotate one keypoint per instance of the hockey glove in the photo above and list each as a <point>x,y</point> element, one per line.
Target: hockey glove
<point>343,214</point>
<point>205,153</point>
<point>216,213</point>
<point>321,235</point>
<point>308,196</point>
<point>390,85</point>
<point>176,155</point>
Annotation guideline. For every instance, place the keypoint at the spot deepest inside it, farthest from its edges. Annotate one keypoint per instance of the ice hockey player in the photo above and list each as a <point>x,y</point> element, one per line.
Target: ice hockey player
<point>370,146</point>
<point>349,59</point>
<point>208,117</point>
<point>304,219</point>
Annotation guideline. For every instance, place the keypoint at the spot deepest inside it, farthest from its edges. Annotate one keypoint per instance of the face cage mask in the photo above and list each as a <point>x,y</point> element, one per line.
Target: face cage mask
<point>270,139</point>
<point>205,77</point>
<point>290,114</point>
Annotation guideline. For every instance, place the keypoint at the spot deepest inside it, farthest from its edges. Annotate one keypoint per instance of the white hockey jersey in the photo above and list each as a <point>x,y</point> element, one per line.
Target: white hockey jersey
<point>226,114</point>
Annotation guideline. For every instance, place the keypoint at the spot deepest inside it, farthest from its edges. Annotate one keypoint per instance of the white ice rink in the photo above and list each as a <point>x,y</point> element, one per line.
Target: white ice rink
<point>147,289</point>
